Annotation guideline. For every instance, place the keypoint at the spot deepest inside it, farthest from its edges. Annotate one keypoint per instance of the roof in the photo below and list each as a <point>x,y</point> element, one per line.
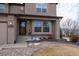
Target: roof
<point>59,17</point>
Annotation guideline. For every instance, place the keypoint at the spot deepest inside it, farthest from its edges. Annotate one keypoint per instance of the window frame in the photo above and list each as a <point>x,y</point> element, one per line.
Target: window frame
<point>50,25</point>
<point>42,7</point>
<point>3,7</point>
<point>35,25</point>
<point>47,25</point>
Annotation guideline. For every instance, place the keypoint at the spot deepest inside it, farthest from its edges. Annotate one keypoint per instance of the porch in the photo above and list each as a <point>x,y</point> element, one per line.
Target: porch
<point>26,30</point>
<point>16,26</point>
<point>29,27</point>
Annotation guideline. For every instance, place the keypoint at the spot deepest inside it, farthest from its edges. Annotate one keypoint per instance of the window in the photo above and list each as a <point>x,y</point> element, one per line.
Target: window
<point>23,24</point>
<point>41,26</point>
<point>2,7</point>
<point>41,7</point>
<point>45,26</point>
<point>37,26</point>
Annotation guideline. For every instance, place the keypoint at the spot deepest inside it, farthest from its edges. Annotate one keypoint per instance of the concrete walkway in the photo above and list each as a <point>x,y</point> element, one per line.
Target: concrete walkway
<point>24,45</point>
<point>17,45</point>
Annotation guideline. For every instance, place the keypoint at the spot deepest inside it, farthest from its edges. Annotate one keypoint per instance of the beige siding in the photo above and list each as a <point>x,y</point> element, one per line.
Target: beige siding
<point>53,29</point>
<point>7,30</point>
<point>11,29</point>
<point>3,18</point>
<point>16,9</point>
<point>51,9</point>
<point>30,8</point>
<point>57,29</point>
<point>3,33</point>
<point>11,36</point>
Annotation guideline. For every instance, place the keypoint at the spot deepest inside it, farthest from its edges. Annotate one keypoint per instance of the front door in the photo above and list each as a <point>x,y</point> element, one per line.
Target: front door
<point>22,27</point>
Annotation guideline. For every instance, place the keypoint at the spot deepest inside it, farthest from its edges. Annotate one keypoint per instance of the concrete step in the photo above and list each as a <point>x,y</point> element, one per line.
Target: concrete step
<point>23,38</point>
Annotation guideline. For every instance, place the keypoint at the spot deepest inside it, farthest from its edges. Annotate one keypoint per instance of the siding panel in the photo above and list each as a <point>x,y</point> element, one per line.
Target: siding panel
<point>3,33</point>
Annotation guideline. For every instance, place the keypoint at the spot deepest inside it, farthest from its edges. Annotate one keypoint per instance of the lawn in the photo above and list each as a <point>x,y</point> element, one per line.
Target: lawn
<point>58,50</point>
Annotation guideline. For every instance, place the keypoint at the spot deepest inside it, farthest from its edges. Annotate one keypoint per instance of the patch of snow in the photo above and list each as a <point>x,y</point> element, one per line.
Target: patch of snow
<point>30,44</point>
<point>36,43</point>
<point>36,38</point>
<point>67,38</point>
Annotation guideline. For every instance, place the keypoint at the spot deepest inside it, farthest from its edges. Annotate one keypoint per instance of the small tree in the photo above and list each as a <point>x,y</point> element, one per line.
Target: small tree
<point>70,26</point>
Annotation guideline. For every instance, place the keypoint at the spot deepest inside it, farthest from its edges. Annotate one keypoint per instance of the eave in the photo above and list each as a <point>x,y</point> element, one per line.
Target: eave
<point>31,15</point>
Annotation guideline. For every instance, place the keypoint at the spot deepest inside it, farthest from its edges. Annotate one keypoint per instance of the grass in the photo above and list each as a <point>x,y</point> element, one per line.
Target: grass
<point>58,50</point>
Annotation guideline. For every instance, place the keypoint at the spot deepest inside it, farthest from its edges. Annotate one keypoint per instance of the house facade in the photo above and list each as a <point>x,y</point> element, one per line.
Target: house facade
<point>21,21</point>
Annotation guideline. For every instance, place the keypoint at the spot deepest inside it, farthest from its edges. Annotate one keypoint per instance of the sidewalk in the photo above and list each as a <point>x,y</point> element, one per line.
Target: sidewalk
<point>17,45</point>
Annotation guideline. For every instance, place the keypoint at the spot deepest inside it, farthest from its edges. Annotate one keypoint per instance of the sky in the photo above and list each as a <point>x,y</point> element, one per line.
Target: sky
<point>68,10</point>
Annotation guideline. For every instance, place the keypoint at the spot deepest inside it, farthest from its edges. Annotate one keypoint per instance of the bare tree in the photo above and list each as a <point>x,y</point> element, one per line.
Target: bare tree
<point>70,26</point>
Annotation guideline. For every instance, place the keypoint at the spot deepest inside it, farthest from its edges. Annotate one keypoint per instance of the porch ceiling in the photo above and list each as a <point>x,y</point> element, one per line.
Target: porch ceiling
<point>39,16</point>
<point>33,18</point>
<point>30,16</point>
<point>42,17</point>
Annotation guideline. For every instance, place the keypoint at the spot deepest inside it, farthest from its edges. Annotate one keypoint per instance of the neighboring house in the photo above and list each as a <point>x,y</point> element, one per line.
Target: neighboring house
<point>19,21</point>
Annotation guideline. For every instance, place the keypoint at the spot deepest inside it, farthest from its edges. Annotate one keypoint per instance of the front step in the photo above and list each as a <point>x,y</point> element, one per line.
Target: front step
<point>22,39</point>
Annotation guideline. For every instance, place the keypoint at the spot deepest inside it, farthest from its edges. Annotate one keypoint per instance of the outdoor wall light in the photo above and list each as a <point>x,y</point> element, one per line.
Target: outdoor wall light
<point>10,23</point>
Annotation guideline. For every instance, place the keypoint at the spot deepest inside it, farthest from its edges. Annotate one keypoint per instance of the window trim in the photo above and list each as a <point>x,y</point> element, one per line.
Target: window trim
<point>41,6</point>
<point>50,28</point>
<point>33,23</point>
<point>48,25</point>
<point>3,7</point>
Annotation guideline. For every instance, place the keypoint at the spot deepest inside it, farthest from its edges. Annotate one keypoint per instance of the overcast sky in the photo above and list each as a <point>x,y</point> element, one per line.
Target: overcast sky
<point>68,10</point>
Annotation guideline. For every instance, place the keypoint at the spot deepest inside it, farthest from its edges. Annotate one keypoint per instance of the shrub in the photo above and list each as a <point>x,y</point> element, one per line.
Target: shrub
<point>74,38</point>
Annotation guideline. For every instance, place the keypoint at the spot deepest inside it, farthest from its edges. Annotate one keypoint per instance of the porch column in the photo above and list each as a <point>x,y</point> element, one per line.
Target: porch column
<point>57,29</point>
<point>29,25</point>
<point>11,29</point>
